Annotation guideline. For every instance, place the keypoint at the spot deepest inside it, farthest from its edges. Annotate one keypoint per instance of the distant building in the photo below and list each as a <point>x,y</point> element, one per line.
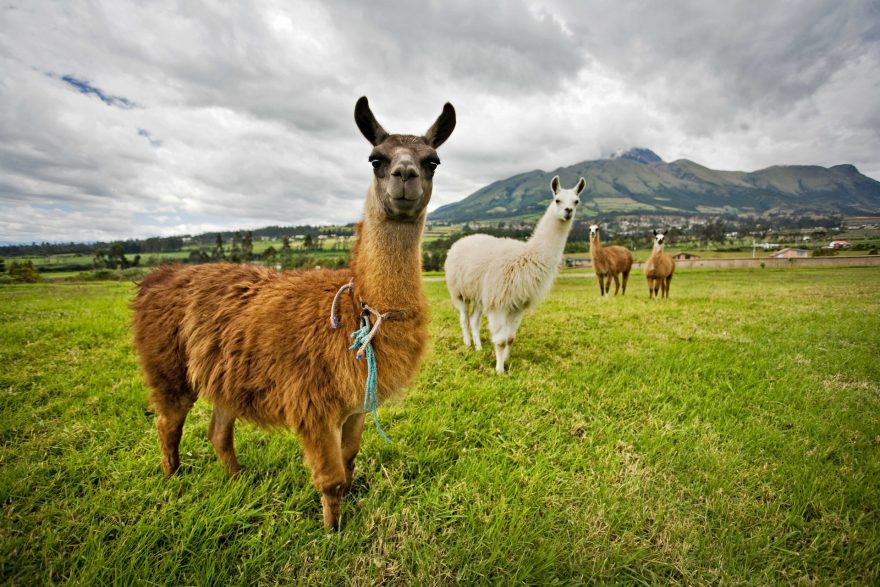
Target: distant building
<point>856,222</point>
<point>578,262</point>
<point>685,256</point>
<point>788,253</point>
<point>839,245</point>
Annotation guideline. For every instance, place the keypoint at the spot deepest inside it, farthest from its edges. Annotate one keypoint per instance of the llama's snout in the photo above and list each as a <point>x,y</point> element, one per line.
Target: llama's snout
<point>405,194</point>
<point>406,172</point>
<point>405,186</point>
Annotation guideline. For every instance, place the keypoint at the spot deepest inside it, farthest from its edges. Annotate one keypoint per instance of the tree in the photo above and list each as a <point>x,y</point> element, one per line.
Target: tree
<point>217,254</point>
<point>23,272</point>
<point>307,242</point>
<point>713,231</point>
<point>198,256</point>
<point>270,256</point>
<point>286,253</point>
<point>235,250</point>
<point>247,247</point>
<point>116,257</point>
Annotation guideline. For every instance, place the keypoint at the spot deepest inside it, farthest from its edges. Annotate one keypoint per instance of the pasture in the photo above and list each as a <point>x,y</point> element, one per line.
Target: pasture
<point>730,434</point>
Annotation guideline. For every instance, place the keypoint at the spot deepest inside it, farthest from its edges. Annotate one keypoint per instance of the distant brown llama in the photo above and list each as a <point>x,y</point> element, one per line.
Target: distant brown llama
<point>609,262</point>
<point>258,343</point>
<point>659,268</point>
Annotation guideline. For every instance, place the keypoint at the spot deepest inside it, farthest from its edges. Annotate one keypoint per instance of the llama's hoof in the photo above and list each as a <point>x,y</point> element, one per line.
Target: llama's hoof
<point>169,467</point>
<point>332,507</point>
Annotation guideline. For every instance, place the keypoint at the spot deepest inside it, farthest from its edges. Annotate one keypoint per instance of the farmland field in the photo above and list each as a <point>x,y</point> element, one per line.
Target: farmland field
<point>730,434</point>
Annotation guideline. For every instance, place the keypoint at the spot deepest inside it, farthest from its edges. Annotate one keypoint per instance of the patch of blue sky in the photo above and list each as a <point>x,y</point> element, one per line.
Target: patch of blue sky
<point>86,88</point>
<point>146,134</point>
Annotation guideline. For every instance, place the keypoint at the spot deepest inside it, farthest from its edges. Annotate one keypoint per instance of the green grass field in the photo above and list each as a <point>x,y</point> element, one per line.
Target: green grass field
<point>730,434</point>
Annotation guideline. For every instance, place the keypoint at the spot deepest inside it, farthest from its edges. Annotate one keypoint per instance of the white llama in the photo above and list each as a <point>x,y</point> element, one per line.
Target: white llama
<point>504,277</point>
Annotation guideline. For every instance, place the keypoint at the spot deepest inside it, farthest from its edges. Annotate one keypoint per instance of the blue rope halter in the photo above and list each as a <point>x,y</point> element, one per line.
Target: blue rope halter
<point>364,345</point>
<point>363,342</point>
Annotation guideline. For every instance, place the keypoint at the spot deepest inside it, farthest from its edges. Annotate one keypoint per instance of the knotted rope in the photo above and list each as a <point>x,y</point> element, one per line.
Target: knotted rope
<point>334,308</point>
<point>363,338</point>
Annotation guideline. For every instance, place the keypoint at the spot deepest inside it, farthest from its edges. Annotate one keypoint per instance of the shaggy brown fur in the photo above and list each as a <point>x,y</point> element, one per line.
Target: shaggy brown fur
<point>659,268</point>
<point>609,262</point>
<point>258,344</point>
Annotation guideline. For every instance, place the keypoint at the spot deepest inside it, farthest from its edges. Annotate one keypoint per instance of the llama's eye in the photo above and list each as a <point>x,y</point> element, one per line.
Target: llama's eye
<point>558,201</point>
<point>431,164</point>
<point>376,162</point>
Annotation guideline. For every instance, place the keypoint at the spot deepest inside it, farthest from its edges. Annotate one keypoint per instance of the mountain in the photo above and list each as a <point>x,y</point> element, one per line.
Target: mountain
<point>638,181</point>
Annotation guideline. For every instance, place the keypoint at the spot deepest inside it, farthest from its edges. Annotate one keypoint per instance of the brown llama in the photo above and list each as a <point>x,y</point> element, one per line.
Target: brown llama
<point>609,262</point>
<point>258,343</point>
<point>659,268</point>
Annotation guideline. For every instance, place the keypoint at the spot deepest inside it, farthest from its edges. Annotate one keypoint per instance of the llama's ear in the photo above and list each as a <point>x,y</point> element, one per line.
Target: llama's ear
<point>580,186</point>
<point>554,185</point>
<point>370,127</point>
<point>442,127</point>
<point>655,231</point>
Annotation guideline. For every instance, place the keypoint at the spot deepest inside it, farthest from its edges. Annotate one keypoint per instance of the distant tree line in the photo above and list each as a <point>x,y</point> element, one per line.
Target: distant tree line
<point>167,244</point>
<point>276,233</point>
<point>114,258</point>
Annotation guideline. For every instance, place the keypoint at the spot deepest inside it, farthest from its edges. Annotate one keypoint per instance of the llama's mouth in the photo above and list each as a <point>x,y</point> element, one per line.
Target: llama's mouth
<point>403,210</point>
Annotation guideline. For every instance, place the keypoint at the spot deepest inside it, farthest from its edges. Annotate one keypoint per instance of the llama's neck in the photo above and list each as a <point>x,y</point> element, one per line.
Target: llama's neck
<point>657,250</point>
<point>547,242</point>
<point>595,245</point>
<point>388,262</point>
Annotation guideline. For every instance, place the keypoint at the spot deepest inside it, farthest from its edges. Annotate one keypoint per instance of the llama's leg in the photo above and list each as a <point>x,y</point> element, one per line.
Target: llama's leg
<point>650,288</point>
<point>497,322</point>
<point>476,316</point>
<point>171,409</point>
<point>503,327</point>
<point>221,432</point>
<point>616,283</point>
<point>462,306</point>
<point>352,431</point>
<point>514,321</point>
<point>601,283</point>
<point>323,451</point>
<point>668,283</point>
<point>625,279</point>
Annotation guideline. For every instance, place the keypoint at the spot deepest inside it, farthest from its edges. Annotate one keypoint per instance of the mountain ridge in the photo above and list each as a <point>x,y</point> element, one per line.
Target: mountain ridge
<point>638,181</point>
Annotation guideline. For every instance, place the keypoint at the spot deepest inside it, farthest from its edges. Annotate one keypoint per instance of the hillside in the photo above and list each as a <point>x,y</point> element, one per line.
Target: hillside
<point>639,181</point>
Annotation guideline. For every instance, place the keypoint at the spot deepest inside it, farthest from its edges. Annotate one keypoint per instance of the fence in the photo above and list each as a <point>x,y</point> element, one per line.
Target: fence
<point>801,262</point>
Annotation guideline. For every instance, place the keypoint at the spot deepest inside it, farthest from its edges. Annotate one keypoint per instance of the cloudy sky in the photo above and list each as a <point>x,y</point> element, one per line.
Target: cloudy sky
<point>127,119</point>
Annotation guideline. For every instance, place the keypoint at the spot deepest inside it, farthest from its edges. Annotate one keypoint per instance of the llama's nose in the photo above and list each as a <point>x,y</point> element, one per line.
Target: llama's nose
<point>568,211</point>
<point>405,172</point>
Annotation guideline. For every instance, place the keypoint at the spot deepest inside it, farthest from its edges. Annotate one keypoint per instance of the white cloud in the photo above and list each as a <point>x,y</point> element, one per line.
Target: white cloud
<point>243,112</point>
